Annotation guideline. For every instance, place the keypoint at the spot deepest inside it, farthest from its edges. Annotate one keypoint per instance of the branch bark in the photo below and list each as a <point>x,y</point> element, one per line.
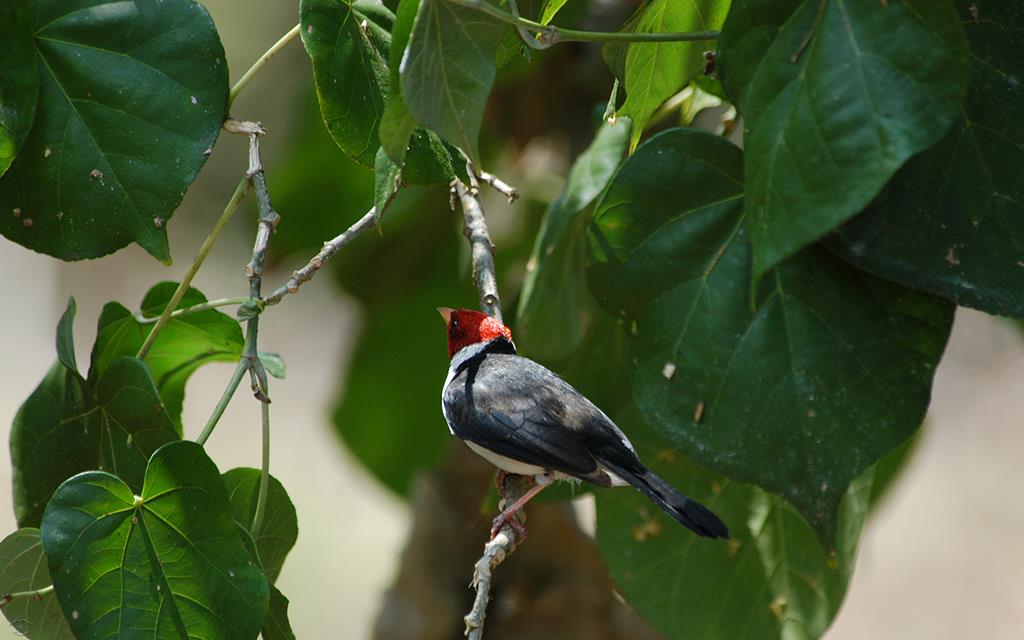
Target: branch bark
<point>511,487</point>
<point>330,248</point>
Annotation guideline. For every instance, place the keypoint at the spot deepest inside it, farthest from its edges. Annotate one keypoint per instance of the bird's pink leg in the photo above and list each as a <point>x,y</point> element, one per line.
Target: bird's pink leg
<point>508,515</point>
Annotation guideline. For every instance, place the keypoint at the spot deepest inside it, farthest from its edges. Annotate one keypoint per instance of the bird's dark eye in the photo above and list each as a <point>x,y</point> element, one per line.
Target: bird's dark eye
<point>455,323</point>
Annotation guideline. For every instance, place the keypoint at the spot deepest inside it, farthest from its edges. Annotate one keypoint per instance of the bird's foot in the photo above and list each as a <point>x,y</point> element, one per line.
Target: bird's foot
<point>510,518</point>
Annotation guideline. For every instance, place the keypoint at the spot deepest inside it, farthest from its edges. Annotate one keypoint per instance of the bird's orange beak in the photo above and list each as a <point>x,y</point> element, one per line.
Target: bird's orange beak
<point>446,313</point>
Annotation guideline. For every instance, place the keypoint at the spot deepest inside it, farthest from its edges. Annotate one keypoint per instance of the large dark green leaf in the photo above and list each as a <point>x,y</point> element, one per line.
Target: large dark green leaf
<point>19,78</point>
<point>23,568</point>
<point>655,71</point>
<point>448,70</point>
<point>773,579</point>
<point>952,220</point>
<point>132,96</point>
<point>555,306</point>
<point>158,563</point>
<point>184,344</point>
<point>830,372</point>
<point>348,44</point>
<point>835,96</point>
<point>280,526</point>
<point>68,425</point>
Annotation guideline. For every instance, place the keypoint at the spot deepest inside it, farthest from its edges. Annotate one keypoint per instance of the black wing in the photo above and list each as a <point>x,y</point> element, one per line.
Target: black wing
<point>521,410</point>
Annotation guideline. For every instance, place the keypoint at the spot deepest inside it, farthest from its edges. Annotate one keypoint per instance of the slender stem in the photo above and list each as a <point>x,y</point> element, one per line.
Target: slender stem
<point>187,311</point>
<point>261,498</point>
<point>35,593</point>
<point>550,34</point>
<point>229,392</point>
<point>183,286</point>
<point>572,35</point>
<point>260,63</point>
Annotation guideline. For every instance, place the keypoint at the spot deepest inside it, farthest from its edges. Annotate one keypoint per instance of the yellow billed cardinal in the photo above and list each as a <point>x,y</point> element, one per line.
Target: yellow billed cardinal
<point>526,420</point>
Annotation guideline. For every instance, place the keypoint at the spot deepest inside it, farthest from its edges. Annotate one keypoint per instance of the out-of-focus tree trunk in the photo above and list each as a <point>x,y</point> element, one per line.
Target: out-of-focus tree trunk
<point>553,587</point>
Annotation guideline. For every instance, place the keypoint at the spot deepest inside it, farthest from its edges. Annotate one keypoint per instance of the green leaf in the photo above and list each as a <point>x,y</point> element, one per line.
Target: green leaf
<point>132,420</point>
<point>387,178</point>
<point>830,372</point>
<point>159,563</point>
<point>655,72</point>
<point>551,8</point>
<point>348,44</point>
<point>773,579</point>
<point>66,337</point>
<point>131,99</point>
<point>280,526</point>
<point>834,102</point>
<point>276,626</point>
<point>555,307</point>
<point>113,421</point>
<point>273,363</point>
<point>23,568</point>
<point>51,440</point>
<point>397,124</point>
<point>448,70</point>
<point>185,343</point>
<point>952,220</point>
<point>19,79</point>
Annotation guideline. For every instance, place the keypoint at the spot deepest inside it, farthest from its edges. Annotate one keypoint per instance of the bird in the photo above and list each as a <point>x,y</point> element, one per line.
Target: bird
<point>526,420</point>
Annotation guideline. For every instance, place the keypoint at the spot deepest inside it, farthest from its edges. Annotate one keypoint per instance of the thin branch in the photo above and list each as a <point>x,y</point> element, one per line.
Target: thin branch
<point>480,243</point>
<point>548,35</point>
<point>330,248</point>
<point>261,62</point>
<point>499,185</point>
<point>511,487</point>
<point>18,595</point>
<point>198,308</point>
<point>179,293</point>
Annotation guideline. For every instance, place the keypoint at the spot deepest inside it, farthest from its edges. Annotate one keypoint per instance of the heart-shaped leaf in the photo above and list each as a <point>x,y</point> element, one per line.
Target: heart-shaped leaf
<point>185,343</point>
<point>952,220</point>
<point>835,97</point>
<point>448,70</point>
<point>23,568</point>
<point>68,425</point>
<point>830,372</point>
<point>555,306</point>
<point>772,579</point>
<point>655,71</point>
<point>19,79</point>
<point>167,563</point>
<point>131,99</point>
<point>280,527</point>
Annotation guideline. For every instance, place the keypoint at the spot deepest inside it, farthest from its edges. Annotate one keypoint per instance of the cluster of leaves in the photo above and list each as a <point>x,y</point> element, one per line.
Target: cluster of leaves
<point>783,306</point>
<point>136,527</point>
<point>774,314</point>
<point>108,113</point>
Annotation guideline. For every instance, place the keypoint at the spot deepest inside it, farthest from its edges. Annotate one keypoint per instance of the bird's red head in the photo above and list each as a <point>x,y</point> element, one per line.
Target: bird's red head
<point>466,327</point>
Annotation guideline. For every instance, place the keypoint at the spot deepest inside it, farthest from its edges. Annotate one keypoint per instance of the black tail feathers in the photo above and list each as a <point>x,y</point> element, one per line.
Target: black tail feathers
<point>693,515</point>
